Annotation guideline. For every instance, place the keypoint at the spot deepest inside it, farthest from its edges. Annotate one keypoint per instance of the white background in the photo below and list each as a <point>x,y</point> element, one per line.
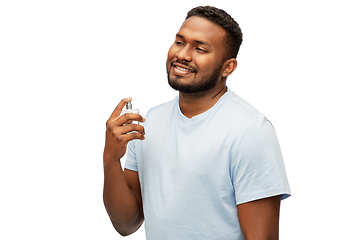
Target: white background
<point>64,66</point>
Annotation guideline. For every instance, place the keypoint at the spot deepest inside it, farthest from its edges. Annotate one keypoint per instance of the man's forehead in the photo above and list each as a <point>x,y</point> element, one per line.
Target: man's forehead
<point>201,30</point>
<point>195,40</point>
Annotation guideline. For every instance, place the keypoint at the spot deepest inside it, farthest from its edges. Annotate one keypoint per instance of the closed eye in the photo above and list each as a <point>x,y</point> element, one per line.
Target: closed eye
<point>201,50</point>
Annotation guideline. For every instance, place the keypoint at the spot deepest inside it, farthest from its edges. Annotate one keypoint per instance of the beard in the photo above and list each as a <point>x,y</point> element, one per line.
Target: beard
<point>208,82</point>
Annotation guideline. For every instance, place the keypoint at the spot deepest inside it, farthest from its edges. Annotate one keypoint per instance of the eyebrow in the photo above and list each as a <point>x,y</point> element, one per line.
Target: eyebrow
<point>197,41</point>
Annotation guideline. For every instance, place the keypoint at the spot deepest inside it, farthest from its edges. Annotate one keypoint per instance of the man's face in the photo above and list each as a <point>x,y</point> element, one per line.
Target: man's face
<point>195,60</point>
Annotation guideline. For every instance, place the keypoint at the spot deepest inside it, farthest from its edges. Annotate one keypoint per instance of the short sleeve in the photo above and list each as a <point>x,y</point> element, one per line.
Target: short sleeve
<point>257,169</point>
<point>131,162</point>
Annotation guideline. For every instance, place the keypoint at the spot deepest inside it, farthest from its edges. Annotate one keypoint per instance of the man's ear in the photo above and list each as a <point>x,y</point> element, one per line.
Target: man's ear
<point>229,67</point>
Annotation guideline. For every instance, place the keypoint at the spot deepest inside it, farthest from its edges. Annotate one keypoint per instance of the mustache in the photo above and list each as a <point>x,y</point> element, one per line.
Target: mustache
<point>185,64</point>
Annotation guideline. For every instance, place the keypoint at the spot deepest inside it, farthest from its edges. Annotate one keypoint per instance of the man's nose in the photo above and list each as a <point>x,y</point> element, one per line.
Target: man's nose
<point>184,54</point>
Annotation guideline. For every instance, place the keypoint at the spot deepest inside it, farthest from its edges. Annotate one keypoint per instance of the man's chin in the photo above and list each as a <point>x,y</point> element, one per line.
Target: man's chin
<point>174,82</point>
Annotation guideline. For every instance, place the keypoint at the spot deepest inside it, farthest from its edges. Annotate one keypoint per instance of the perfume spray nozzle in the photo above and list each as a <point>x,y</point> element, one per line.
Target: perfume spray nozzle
<point>128,105</point>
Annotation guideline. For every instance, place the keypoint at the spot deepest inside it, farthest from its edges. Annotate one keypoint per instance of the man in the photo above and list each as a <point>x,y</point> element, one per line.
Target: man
<point>210,166</point>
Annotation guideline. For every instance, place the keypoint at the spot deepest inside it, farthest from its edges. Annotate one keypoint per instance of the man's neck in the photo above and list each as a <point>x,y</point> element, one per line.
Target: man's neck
<point>195,104</point>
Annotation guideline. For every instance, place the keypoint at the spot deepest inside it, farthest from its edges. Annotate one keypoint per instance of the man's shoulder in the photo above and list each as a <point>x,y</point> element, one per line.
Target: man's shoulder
<point>240,106</point>
<point>163,107</point>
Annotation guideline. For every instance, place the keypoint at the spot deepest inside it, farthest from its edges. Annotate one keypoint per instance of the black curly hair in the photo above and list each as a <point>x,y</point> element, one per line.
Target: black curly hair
<point>234,36</point>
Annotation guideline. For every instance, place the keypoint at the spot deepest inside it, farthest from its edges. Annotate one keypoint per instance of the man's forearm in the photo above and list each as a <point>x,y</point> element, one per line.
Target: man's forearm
<point>120,201</point>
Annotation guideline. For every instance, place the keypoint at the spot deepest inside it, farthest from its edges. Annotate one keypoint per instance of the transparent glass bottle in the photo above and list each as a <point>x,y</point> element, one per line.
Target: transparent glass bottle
<point>129,109</point>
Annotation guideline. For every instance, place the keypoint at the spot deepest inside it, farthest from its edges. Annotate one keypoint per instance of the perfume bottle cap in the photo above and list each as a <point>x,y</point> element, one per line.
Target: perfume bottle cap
<point>128,105</point>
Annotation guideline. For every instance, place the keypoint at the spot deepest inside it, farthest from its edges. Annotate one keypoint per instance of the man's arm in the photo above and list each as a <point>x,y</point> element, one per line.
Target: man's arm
<point>259,219</point>
<point>122,196</point>
<point>122,199</point>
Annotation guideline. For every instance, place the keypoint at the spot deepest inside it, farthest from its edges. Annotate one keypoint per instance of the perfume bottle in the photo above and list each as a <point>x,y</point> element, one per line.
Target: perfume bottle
<point>129,109</point>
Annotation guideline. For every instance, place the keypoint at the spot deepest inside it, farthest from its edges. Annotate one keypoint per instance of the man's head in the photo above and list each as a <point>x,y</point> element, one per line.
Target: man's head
<point>203,54</point>
<point>233,38</point>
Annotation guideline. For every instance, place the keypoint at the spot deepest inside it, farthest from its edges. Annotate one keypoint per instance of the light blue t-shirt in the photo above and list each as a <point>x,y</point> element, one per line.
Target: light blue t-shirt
<point>194,172</point>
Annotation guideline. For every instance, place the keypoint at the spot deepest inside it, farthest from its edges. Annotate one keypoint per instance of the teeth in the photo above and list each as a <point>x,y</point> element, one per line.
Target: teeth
<point>183,69</point>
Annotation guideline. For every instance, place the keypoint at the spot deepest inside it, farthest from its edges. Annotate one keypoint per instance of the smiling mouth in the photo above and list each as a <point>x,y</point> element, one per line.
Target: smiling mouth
<point>182,69</point>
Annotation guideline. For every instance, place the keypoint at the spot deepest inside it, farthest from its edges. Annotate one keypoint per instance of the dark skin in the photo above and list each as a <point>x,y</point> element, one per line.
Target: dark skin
<point>122,197</point>
<point>200,44</point>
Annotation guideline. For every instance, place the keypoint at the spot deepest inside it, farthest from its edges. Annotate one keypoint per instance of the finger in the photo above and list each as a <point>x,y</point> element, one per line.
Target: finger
<point>128,118</point>
<point>134,135</point>
<point>116,113</point>
<point>122,133</point>
<point>130,128</point>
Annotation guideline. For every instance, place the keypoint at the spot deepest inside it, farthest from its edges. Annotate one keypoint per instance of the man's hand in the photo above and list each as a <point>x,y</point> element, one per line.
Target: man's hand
<point>120,130</point>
